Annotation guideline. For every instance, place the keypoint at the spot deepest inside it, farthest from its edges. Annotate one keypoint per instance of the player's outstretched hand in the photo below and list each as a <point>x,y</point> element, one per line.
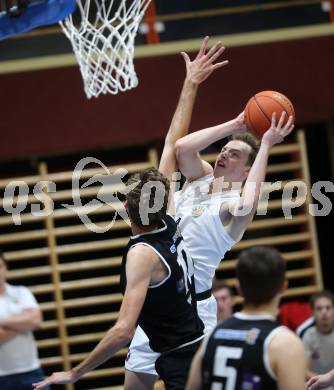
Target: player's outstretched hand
<point>57,378</point>
<point>318,382</point>
<point>203,65</point>
<point>278,131</point>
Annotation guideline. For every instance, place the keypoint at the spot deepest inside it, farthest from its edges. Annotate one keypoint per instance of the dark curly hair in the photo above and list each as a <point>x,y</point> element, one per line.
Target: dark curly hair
<point>148,200</point>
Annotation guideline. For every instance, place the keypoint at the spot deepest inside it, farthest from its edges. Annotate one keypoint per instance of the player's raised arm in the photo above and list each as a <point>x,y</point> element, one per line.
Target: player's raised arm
<point>244,211</point>
<point>188,147</point>
<point>140,264</point>
<point>197,71</point>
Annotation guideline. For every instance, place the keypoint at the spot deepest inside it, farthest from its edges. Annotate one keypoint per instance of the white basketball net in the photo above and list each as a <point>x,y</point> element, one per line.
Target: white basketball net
<point>103,43</point>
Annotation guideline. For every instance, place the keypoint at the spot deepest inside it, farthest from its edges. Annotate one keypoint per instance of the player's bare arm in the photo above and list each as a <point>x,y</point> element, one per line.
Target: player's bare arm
<point>187,148</point>
<point>287,360</point>
<point>237,217</point>
<point>141,264</point>
<point>197,71</point>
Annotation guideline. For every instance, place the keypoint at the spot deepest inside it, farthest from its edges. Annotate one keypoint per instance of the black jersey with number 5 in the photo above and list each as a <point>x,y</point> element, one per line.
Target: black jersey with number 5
<point>169,315</point>
<point>236,354</point>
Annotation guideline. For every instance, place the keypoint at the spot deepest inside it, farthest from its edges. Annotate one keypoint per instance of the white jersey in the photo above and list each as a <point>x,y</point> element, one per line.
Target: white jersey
<point>203,232</point>
<point>18,354</point>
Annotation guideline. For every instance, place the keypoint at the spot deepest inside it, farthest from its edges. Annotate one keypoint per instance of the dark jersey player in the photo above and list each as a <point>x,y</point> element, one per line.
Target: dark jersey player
<point>156,278</point>
<point>251,350</point>
<point>167,315</point>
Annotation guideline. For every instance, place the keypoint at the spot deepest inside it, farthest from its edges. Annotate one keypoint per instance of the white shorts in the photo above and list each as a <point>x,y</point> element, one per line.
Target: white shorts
<point>141,358</point>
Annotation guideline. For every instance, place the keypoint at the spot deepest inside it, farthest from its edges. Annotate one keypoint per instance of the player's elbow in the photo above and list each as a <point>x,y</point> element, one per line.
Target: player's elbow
<point>181,147</point>
<point>126,335</point>
<point>125,332</point>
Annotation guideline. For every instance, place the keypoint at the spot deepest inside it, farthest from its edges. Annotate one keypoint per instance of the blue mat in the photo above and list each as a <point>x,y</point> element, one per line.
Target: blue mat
<point>36,14</point>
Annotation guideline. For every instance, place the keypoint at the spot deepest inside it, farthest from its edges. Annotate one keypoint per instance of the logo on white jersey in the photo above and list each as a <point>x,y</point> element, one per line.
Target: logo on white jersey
<point>197,211</point>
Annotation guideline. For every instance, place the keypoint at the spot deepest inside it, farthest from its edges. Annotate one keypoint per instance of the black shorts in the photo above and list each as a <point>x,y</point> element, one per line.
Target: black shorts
<point>173,367</point>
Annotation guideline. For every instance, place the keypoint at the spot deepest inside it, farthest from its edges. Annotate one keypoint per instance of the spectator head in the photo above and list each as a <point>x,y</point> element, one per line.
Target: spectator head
<point>261,275</point>
<point>225,299</point>
<point>322,304</point>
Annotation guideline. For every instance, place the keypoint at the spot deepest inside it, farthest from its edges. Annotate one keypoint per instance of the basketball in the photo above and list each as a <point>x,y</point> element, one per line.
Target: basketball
<point>259,109</point>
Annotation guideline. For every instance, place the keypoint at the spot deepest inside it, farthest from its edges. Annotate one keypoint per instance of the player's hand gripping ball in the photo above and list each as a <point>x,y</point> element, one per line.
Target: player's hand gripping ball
<point>259,110</point>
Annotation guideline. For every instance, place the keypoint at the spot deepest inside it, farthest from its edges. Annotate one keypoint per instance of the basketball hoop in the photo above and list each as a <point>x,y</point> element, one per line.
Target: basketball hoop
<point>103,43</point>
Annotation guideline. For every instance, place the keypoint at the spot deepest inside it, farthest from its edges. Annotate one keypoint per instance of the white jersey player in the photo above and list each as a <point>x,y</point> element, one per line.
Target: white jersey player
<point>211,214</point>
<point>197,212</point>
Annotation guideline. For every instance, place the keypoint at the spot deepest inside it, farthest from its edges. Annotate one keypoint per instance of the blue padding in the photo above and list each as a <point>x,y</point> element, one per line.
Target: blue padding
<point>37,14</point>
